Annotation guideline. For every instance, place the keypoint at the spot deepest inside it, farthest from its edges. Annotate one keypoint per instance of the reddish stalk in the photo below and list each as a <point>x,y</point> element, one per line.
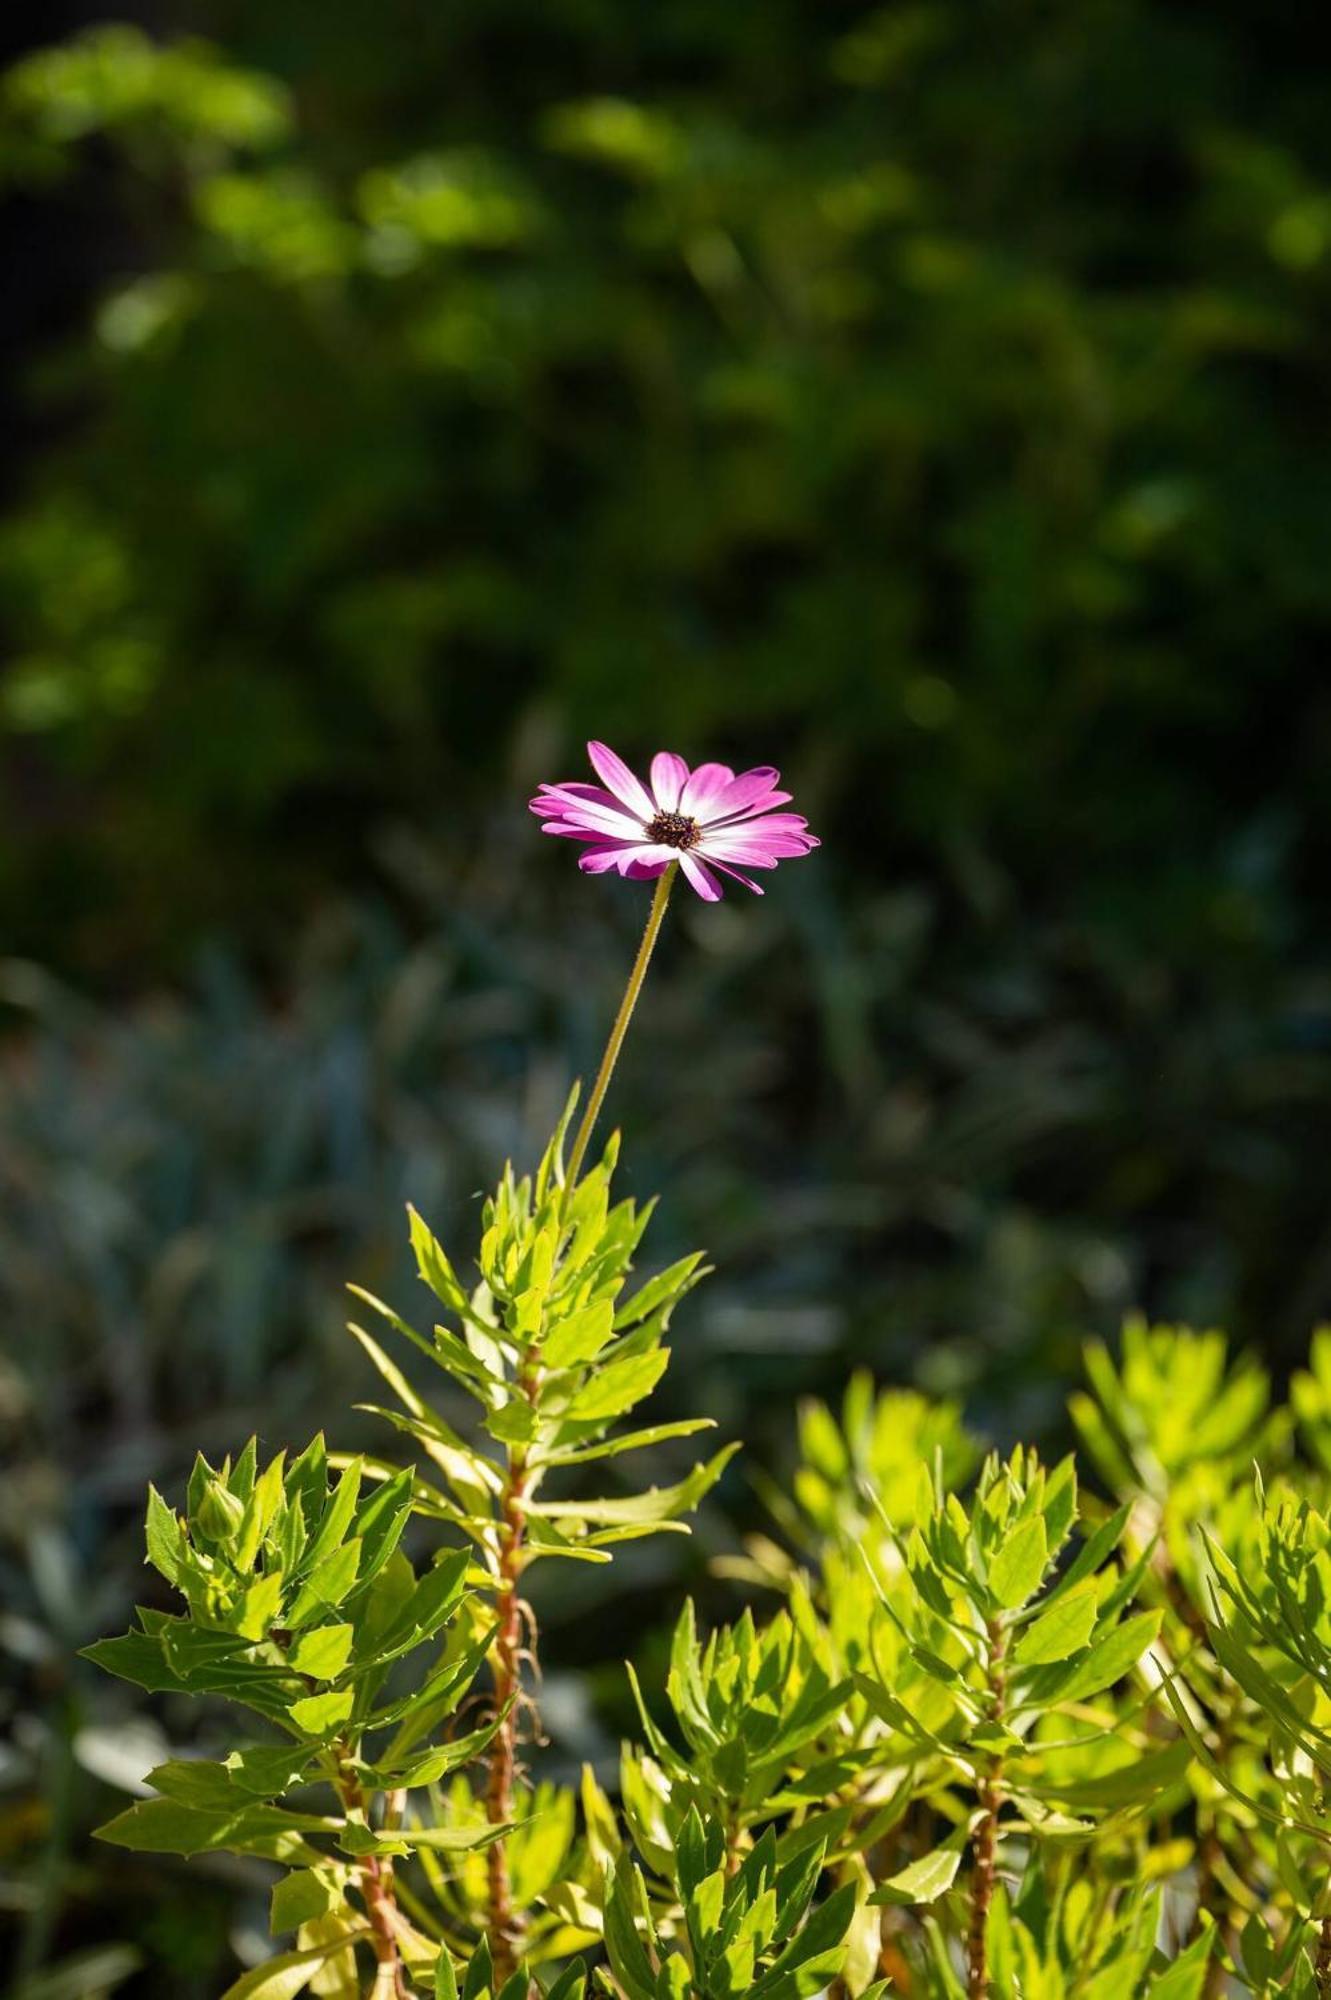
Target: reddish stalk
<point>984,1872</point>
<point>507,1929</point>
<point>376,1884</point>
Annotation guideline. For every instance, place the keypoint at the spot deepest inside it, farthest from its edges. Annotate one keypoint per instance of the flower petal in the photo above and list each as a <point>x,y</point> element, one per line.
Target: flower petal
<point>705,783</point>
<point>669,776</point>
<point>752,792</point>
<point>738,877</point>
<point>618,854</point>
<point>700,876</point>
<point>624,855</point>
<point>588,806</point>
<point>762,849</point>
<point>615,773</point>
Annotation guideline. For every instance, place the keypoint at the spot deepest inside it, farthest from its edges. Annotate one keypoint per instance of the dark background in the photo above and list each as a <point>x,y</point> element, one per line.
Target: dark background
<point>930,399</point>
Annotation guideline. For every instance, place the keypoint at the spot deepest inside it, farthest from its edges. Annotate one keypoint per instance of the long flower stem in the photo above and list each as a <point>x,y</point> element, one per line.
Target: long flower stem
<point>664,884</point>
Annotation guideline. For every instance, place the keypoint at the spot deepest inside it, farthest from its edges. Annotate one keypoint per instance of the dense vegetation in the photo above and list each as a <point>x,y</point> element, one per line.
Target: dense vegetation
<point>930,397</point>
<point>984,1739</point>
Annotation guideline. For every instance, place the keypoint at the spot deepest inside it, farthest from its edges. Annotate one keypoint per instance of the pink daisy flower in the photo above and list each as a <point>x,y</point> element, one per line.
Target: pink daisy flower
<point>708,820</point>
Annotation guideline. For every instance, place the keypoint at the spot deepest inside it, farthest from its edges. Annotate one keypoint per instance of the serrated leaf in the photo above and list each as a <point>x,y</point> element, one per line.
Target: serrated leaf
<point>300,1896</point>
<point>243,1778</point>
<point>326,1587</point>
<point>657,1504</point>
<point>435,1269</point>
<point>1019,1564</point>
<point>1061,1630</point>
<point>434,1598</point>
<point>617,1387</point>
<point>1185,1979</point>
<point>1110,1659</point>
<point>924,1881</point>
<point>322,1653</point>
<point>281,1978</point>
<point>259,1605</point>
<point>820,1946</point>
<point>668,1286</point>
<point>165,1826</point>
<point>165,1537</point>
<point>330,1531</point>
<point>579,1338</point>
<point>583,1454</point>
<point>322,1715</point>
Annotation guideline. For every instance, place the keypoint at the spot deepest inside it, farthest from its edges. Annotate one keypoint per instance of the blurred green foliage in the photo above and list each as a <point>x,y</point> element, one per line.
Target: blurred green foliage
<point>937,391</point>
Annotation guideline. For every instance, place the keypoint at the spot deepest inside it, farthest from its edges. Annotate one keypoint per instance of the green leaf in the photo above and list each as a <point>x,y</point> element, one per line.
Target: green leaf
<point>435,1596</point>
<point>440,1839</point>
<point>445,1978</point>
<point>480,1973</point>
<point>302,1895</point>
<point>165,1537</point>
<point>1185,1979</point>
<point>322,1715</point>
<point>1061,1630</point>
<point>1113,1657</point>
<point>580,1337</point>
<point>331,1530</point>
<point>1096,1548</point>
<point>322,1653</point>
<point>433,1265</point>
<point>283,1977</point>
<point>262,1771</point>
<point>380,1522</point>
<point>428,1766</point>
<point>583,1454</point>
<point>819,1947</point>
<point>259,1606</point>
<point>243,1778</point>
<point>1139,1780</point>
<point>1016,1570</point>
<point>658,1503</point>
<point>925,1880</point>
<point>627,1953</point>
<point>165,1826</point>
<point>326,1587</point>
<point>668,1285</point>
<point>618,1387</point>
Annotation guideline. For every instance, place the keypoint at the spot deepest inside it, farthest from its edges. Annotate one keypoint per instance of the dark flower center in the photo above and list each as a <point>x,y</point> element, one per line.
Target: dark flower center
<point>673,830</point>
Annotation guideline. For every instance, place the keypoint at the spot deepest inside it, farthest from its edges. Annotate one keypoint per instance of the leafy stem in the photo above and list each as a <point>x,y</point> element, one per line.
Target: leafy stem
<point>506,1926</point>
<point>984,1871</point>
<point>620,1028</point>
<point>376,1878</point>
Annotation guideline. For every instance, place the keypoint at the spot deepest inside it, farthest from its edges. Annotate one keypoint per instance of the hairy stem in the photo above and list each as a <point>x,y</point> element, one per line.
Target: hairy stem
<point>376,1881</point>
<point>507,1928</point>
<point>664,884</point>
<point>984,1867</point>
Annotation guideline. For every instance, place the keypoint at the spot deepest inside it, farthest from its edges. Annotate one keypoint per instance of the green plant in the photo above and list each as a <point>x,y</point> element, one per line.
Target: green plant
<point>947,1765</point>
